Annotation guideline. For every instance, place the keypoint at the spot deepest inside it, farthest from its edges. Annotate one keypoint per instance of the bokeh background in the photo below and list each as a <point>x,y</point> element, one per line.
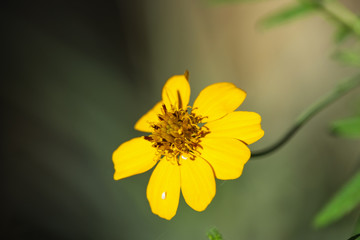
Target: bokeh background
<point>78,74</point>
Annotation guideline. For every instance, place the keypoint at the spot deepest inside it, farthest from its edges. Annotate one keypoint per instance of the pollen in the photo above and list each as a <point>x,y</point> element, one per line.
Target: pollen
<point>177,134</point>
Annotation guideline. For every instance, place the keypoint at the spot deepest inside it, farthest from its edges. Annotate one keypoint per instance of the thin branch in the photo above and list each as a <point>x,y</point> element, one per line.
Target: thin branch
<point>341,14</point>
<point>311,111</point>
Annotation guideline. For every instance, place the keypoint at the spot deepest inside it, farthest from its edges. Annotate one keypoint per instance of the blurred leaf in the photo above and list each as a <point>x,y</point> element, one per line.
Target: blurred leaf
<point>213,234</point>
<point>357,226</point>
<point>354,237</point>
<point>288,14</point>
<point>342,203</point>
<point>349,57</point>
<point>349,127</point>
<point>342,33</point>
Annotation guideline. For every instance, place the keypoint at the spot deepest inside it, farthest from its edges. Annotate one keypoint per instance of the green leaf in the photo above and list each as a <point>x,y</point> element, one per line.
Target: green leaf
<point>287,14</point>
<point>354,237</point>
<point>357,226</point>
<point>349,57</point>
<point>342,203</point>
<point>349,127</point>
<point>342,33</point>
<point>213,234</point>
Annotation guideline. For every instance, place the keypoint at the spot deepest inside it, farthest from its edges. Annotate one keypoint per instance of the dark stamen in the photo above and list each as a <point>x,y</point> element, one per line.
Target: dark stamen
<point>179,99</point>
<point>148,138</point>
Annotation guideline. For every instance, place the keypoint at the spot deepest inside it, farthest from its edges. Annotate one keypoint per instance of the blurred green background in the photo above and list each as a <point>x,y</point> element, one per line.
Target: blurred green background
<point>78,74</point>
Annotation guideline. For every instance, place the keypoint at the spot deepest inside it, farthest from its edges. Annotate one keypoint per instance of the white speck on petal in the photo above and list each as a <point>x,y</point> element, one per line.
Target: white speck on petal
<point>183,157</point>
<point>163,195</point>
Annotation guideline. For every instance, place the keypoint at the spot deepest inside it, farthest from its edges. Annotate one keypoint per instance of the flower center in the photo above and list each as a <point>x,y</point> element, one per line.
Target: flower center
<point>177,134</point>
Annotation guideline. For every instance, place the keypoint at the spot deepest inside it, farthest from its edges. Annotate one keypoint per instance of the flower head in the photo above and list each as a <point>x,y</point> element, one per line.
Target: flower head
<point>192,145</point>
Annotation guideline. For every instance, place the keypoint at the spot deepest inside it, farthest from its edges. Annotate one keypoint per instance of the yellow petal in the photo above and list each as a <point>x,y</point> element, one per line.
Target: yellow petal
<point>143,124</point>
<point>176,92</point>
<point>133,157</point>
<point>217,100</point>
<point>244,126</point>
<point>197,183</point>
<point>163,190</point>
<point>227,156</point>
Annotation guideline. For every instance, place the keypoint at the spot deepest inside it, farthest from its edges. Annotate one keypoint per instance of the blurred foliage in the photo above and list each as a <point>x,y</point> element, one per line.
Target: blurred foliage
<point>349,57</point>
<point>348,24</point>
<point>348,127</point>
<point>342,33</point>
<point>357,226</point>
<point>214,234</point>
<point>288,13</point>
<point>342,203</point>
<point>354,237</point>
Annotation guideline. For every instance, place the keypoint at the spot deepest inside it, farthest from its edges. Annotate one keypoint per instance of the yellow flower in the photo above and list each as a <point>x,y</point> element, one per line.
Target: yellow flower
<point>190,153</point>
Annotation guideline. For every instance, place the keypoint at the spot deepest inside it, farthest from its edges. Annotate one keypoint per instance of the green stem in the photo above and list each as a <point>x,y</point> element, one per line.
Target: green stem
<point>341,14</point>
<point>311,111</point>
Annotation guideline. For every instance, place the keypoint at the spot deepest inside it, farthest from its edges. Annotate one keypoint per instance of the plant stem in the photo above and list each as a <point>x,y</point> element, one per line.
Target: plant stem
<point>341,14</point>
<point>312,110</point>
